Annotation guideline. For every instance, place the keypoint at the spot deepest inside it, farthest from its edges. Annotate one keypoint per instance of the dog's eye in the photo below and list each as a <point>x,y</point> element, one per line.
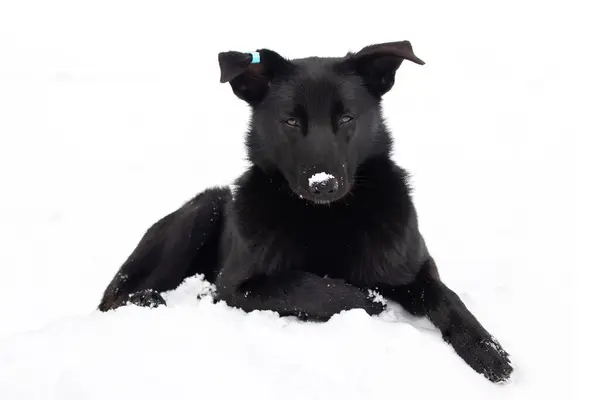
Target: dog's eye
<point>292,122</point>
<point>345,119</point>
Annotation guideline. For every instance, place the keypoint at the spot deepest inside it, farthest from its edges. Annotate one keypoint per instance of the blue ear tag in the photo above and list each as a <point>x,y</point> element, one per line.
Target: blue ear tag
<point>255,57</point>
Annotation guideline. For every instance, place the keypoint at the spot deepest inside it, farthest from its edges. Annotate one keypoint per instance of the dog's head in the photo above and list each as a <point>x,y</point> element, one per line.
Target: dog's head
<point>315,120</point>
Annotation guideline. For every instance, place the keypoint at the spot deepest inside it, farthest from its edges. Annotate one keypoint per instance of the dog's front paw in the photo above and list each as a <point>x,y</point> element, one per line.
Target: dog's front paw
<point>146,298</point>
<point>483,353</point>
<point>373,307</point>
<point>368,300</point>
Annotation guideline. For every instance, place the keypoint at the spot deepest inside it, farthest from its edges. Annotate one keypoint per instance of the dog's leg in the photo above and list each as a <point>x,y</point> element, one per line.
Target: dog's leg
<point>181,244</point>
<point>296,293</point>
<point>428,296</point>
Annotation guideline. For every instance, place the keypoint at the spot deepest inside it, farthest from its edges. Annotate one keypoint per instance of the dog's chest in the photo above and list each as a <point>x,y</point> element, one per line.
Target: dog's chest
<point>336,258</point>
<point>356,248</point>
<point>366,238</point>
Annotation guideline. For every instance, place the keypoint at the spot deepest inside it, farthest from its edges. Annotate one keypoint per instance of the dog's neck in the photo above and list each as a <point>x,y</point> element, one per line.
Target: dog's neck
<point>264,198</point>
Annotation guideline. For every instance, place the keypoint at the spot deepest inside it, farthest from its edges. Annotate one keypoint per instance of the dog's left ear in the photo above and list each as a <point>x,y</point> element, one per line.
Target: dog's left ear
<point>250,74</point>
<point>377,64</point>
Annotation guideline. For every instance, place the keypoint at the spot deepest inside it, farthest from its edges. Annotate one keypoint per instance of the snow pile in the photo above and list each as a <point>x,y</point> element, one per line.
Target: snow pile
<point>192,348</point>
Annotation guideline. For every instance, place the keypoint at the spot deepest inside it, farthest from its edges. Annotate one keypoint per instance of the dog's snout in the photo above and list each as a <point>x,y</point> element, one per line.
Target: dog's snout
<point>329,186</point>
<point>323,186</point>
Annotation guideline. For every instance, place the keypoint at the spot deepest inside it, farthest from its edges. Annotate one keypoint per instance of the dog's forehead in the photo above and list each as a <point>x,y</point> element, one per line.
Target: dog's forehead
<point>316,71</point>
<point>315,65</point>
<point>315,82</point>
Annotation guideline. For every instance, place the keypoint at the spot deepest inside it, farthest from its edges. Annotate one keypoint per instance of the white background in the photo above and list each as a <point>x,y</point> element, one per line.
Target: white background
<point>112,115</point>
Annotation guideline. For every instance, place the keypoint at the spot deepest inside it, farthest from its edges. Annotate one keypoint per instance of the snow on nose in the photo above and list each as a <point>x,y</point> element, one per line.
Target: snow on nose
<point>323,186</point>
<point>318,178</point>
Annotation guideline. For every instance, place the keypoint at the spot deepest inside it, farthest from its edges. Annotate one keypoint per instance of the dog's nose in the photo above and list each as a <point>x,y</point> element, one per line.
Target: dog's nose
<point>322,185</point>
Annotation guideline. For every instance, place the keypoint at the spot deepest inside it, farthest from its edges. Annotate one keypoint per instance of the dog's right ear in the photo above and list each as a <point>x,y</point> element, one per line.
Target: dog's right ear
<point>377,64</point>
<point>251,74</point>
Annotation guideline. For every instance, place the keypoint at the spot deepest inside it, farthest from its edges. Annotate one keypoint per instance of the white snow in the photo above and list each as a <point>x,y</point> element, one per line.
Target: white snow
<point>193,347</point>
<point>112,115</point>
<point>319,178</point>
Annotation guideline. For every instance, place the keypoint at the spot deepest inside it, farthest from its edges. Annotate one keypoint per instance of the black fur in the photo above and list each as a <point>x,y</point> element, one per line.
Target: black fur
<point>309,249</point>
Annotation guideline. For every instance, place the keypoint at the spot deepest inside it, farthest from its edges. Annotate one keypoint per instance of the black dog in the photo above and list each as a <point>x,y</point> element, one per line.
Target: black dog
<point>322,215</point>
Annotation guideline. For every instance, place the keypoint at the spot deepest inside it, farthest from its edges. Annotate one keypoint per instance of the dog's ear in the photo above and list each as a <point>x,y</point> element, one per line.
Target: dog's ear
<point>377,64</point>
<point>250,74</point>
